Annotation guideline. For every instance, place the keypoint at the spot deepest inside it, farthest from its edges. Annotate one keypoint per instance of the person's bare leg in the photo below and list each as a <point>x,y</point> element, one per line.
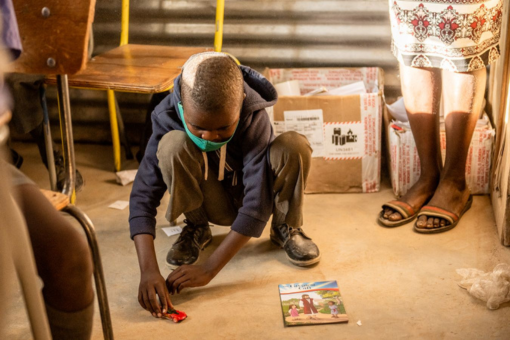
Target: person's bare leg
<point>63,262</point>
<point>463,95</point>
<point>421,88</point>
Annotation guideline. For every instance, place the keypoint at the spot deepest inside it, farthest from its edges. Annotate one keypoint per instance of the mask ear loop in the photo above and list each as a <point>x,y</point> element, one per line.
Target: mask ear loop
<point>223,160</point>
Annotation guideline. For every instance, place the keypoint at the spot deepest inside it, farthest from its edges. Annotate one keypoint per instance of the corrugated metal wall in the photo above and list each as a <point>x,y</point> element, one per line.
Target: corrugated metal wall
<point>259,33</point>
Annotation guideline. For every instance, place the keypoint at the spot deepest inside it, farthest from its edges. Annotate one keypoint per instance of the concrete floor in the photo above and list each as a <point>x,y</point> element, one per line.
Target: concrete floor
<point>400,284</point>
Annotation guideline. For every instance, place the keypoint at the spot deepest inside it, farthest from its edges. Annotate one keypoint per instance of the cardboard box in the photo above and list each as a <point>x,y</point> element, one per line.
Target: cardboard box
<point>405,162</point>
<point>344,131</point>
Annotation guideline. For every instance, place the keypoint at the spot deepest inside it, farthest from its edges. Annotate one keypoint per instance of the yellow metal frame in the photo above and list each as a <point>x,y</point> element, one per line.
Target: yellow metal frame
<point>115,129</point>
<point>124,32</point>
<point>124,40</point>
<point>218,34</point>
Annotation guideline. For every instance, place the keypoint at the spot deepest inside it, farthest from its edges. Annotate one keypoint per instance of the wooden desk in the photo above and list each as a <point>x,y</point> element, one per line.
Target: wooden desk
<point>133,68</point>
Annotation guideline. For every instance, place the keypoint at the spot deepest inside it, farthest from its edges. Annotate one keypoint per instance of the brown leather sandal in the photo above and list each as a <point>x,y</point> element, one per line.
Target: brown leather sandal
<point>407,212</point>
<point>432,211</point>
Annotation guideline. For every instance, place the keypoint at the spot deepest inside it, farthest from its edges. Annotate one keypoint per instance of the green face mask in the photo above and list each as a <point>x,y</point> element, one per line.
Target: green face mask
<point>202,144</point>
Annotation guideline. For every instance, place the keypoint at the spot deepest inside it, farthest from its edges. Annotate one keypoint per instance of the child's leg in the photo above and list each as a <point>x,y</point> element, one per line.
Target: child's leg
<point>64,263</point>
<point>290,157</point>
<point>182,166</point>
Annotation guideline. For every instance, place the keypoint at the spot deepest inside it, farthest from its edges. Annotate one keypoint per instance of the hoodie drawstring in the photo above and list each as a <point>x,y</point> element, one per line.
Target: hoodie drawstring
<point>206,165</point>
<point>234,179</point>
<point>223,161</point>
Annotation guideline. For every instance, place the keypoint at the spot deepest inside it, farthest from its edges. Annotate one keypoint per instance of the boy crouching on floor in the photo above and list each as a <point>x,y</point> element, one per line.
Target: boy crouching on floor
<point>214,150</point>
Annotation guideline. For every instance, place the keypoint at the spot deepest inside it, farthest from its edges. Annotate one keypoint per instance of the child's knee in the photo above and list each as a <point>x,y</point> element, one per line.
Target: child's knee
<point>172,144</point>
<point>176,148</point>
<point>290,145</point>
<point>72,264</point>
<point>170,147</point>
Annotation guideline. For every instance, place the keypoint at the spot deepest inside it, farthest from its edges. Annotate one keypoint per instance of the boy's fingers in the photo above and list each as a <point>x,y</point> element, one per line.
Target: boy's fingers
<point>154,302</point>
<point>175,275</point>
<point>170,305</point>
<point>169,286</point>
<point>183,285</point>
<point>162,298</point>
<point>147,302</point>
<point>177,282</point>
<point>168,301</point>
<point>171,281</point>
<point>140,299</point>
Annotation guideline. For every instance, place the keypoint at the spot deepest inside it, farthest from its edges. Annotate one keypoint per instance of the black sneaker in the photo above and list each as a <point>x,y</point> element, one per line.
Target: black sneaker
<point>187,248</point>
<point>17,159</point>
<point>61,173</point>
<point>300,249</point>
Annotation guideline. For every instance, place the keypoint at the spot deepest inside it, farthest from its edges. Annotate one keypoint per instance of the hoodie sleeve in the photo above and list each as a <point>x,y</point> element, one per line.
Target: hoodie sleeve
<point>258,198</point>
<point>148,188</point>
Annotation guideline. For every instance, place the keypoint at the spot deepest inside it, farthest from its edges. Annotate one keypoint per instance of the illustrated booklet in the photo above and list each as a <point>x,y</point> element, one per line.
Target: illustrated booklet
<point>312,303</point>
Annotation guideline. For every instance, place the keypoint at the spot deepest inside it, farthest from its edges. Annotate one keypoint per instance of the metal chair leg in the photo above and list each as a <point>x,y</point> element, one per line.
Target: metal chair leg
<point>66,129</point>
<point>102,297</point>
<point>115,129</point>
<point>48,141</point>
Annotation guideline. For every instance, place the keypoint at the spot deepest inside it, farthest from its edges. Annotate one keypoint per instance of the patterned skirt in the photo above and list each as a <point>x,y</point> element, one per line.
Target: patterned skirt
<point>456,35</point>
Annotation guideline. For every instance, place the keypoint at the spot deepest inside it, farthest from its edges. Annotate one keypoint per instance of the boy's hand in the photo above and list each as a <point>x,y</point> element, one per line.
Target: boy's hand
<point>152,286</point>
<point>199,275</point>
<point>187,276</point>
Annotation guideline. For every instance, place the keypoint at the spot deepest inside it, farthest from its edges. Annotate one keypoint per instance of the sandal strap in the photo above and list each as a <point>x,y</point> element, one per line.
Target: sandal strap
<point>430,210</point>
<point>402,207</point>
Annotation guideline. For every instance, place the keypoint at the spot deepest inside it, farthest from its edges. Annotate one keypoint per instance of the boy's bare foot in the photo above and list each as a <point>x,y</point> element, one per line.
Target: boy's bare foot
<point>416,197</point>
<point>450,196</point>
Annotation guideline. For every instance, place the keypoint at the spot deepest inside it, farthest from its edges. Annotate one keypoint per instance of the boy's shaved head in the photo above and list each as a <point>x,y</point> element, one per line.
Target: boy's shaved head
<point>212,81</point>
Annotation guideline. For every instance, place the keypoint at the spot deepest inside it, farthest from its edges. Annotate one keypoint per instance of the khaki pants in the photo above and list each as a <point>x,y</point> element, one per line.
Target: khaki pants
<point>182,167</point>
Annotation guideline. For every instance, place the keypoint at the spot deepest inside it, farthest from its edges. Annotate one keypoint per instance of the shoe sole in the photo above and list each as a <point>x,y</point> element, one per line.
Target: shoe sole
<point>389,224</point>
<point>419,230</point>
<point>175,266</point>
<point>296,262</point>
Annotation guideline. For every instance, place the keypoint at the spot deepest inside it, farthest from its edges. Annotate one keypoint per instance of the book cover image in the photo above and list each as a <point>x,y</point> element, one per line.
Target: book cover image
<point>312,303</point>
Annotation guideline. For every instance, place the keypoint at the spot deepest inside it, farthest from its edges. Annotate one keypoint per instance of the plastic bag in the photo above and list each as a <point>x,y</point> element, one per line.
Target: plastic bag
<point>493,287</point>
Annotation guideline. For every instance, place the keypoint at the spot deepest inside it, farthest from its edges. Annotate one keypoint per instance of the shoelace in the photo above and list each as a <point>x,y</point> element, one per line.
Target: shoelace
<point>295,231</point>
<point>190,231</point>
<point>291,230</point>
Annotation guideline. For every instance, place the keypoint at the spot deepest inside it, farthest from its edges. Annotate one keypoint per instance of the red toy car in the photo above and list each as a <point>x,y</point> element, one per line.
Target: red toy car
<point>176,315</point>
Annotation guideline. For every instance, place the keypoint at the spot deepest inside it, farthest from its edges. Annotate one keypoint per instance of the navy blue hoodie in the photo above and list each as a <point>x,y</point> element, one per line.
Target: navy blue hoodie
<point>247,157</point>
